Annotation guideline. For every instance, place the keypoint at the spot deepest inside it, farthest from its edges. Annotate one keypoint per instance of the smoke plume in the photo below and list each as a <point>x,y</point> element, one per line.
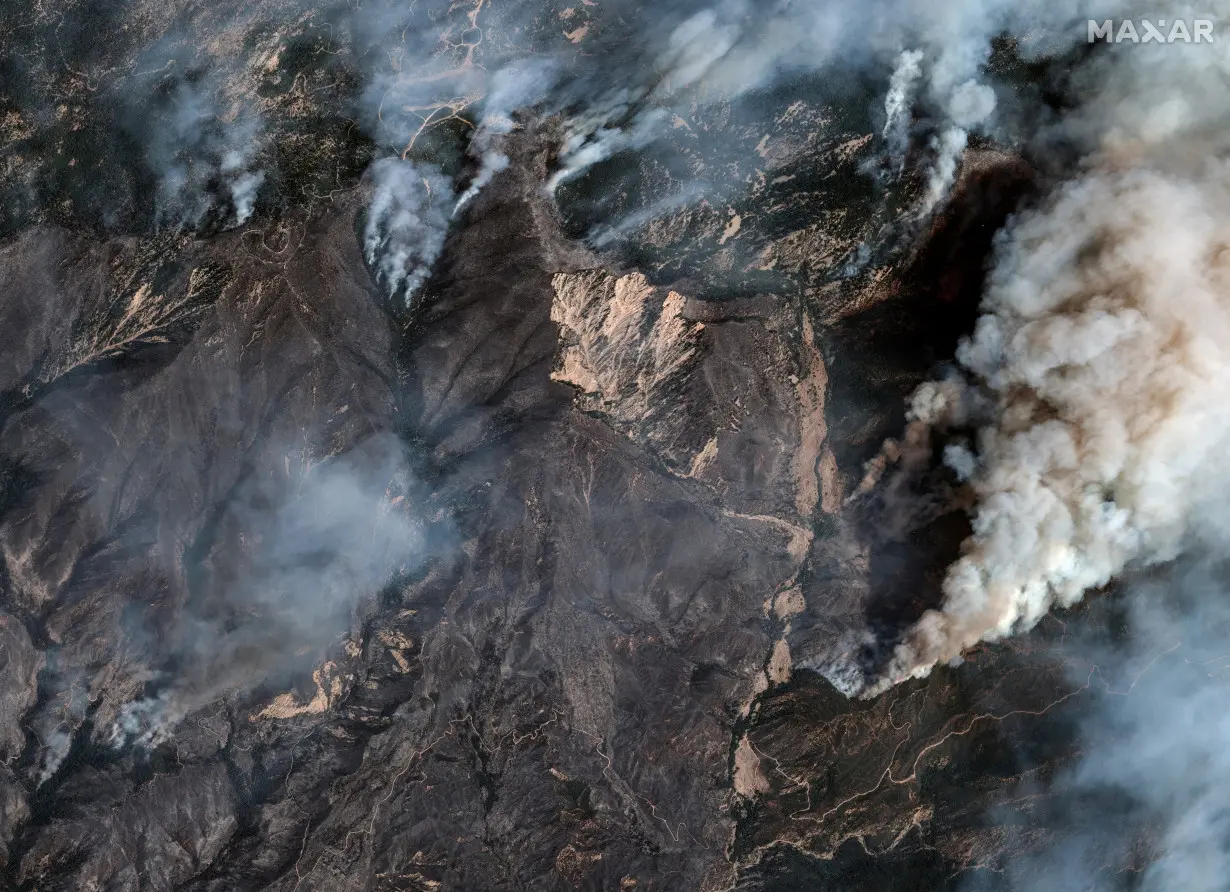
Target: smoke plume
<point>970,105</point>
<point>206,163</point>
<point>933,55</point>
<point>1098,372</point>
<point>640,72</point>
<point>407,223</point>
<point>518,85</point>
<point>296,555</point>
<point>896,133</point>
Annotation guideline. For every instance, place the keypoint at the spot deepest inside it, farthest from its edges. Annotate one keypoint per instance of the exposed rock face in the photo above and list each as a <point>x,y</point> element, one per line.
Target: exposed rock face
<point>663,368</point>
<point>627,350</point>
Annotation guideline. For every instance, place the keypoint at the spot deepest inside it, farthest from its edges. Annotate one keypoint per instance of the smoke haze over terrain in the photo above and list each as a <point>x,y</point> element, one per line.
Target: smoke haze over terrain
<point>389,355</point>
<point>311,548</point>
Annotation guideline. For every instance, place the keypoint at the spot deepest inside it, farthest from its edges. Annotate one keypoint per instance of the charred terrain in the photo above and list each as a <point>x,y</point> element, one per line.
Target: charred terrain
<point>555,570</point>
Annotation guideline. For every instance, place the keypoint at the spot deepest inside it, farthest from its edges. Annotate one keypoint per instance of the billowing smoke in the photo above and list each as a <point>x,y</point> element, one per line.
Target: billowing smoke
<point>936,53</point>
<point>970,105</point>
<point>407,223</point>
<point>1097,375</point>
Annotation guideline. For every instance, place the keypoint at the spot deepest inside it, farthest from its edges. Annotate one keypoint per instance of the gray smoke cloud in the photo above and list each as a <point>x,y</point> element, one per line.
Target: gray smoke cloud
<point>971,104</point>
<point>627,89</point>
<point>1155,735</point>
<point>407,223</point>
<point>296,556</point>
<point>206,158</point>
<point>897,105</point>
<point>519,85</point>
<point>1097,374</point>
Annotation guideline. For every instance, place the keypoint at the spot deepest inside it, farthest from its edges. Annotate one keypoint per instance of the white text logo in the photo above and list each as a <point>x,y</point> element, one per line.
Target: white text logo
<point>1151,31</point>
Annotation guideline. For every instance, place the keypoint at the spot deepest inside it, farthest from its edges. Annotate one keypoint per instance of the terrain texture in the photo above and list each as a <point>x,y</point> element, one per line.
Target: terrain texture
<point>547,578</point>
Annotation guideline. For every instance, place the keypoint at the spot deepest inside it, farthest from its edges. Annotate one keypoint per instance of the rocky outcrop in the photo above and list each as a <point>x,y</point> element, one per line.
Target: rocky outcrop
<point>664,369</point>
<point>628,350</point>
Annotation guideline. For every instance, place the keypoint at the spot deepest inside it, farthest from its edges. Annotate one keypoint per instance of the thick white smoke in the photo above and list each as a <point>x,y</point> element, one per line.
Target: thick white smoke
<point>1099,374</point>
<point>901,88</point>
<point>969,106</point>
<point>407,223</point>
<point>243,184</point>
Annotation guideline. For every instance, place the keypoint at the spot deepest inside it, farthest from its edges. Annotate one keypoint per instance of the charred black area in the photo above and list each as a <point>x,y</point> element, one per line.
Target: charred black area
<point>852,869</point>
<point>881,355</point>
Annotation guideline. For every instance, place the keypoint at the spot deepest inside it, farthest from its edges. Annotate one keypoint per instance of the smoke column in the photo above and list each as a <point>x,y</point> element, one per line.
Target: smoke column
<point>407,223</point>
<point>199,154</point>
<point>1099,373</point>
<point>896,132</point>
